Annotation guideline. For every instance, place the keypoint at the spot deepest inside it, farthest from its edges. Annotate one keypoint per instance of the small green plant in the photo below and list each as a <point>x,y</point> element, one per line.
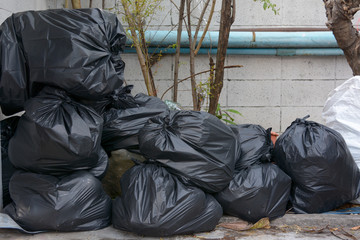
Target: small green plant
<point>226,115</point>
<point>267,5</point>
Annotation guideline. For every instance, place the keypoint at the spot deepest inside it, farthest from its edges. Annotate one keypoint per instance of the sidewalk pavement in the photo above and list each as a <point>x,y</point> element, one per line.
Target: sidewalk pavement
<point>291,226</point>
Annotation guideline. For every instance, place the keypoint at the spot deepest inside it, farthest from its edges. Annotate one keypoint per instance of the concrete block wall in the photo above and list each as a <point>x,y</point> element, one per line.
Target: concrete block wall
<point>269,90</point>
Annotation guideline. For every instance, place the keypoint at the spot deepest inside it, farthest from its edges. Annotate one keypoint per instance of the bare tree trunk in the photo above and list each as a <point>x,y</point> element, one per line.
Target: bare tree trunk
<point>177,55</point>
<point>90,3</point>
<point>151,90</point>
<point>340,14</point>
<point>76,4</point>
<point>196,105</point>
<point>226,20</point>
<point>144,49</point>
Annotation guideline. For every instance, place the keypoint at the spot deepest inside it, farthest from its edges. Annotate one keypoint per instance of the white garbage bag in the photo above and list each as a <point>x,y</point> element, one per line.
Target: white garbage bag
<point>342,113</point>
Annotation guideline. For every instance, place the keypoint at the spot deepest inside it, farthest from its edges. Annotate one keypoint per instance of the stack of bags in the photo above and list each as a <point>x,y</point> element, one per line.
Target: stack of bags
<point>64,69</point>
<point>54,65</point>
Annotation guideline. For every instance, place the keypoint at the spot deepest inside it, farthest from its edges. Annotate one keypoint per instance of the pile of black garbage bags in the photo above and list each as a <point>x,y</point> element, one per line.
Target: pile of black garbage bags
<point>63,68</point>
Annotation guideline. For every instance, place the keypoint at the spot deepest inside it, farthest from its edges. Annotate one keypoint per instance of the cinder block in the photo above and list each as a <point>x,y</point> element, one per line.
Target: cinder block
<point>265,116</point>
<point>8,7</point>
<point>305,93</point>
<point>255,67</point>
<point>254,93</point>
<point>201,64</point>
<point>197,6</point>
<point>132,67</point>
<point>289,114</point>
<point>343,70</point>
<point>308,67</point>
<point>252,14</point>
<point>139,86</point>
<point>308,13</point>
<point>185,96</point>
<point>162,70</point>
<point>162,86</point>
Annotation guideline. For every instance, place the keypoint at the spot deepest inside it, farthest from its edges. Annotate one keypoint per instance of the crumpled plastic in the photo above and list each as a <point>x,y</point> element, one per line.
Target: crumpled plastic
<point>75,202</point>
<point>155,203</point>
<point>77,50</point>
<point>122,122</point>
<point>255,145</point>
<point>196,146</point>
<point>56,135</point>
<point>324,174</point>
<point>256,192</point>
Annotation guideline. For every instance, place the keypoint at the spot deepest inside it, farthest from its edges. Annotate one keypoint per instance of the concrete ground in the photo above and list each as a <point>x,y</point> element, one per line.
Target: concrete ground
<point>291,226</point>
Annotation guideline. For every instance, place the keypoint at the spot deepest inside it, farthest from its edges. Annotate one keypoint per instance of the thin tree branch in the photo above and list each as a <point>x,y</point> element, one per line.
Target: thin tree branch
<point>177,55</point>
<point>206,27</point>
<point>197,29</point>
<point>354,10</point>
<point>194,75</point>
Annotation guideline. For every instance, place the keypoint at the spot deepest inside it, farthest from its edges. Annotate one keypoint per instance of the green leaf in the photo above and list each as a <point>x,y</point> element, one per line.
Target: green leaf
<point>265,5</point>
<point>233,111</point>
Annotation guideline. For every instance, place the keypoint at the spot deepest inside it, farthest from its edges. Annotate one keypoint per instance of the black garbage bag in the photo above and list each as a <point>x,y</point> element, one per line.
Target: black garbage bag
<point>155,203</point>
<point>56,135</point>
<point>123,121</point>
<point>196,146</point>
<point>324,174</point>
<point>99,171</point>
<point>75,202</point>
<point>119,99</point>
<point>255,144</point>
<point>13,70</point>
<point>256,192</point>
<point>7,129</point>
<point>77,50</point>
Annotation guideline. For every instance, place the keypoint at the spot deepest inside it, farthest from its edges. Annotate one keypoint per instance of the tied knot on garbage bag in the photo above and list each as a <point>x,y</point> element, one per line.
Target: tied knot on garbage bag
<point>122,125</point>
<point>75,202</point>
<point>323,171</point>
<point>122,98</point>
<point>196,146</point>
<point>56,137</point>
<point>156,203</point>
<point>255,145</point>
<point>77,50</point>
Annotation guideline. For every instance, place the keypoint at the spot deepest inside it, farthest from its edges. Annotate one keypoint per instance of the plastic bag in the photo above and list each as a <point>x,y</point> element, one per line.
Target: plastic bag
<point>7,129</point>
<point>102,166</point>
<point>13,70</point>
<point>342,113</point>
<point>155,203</point>
<point>122,124</point>
<point>195,146</point>
<point>119,99</point>
<point>324,174</point>
<point>56,135</point>
<point>255,145</point>
<point>256,192</point>
<point>75,202</point>
<point>77,50</point>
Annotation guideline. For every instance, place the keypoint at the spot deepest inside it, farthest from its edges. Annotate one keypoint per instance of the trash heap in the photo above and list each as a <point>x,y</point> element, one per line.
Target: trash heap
<point>64,69</point>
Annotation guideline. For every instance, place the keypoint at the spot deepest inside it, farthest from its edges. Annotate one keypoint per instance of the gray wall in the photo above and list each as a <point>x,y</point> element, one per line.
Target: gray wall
<point>268,90</point>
